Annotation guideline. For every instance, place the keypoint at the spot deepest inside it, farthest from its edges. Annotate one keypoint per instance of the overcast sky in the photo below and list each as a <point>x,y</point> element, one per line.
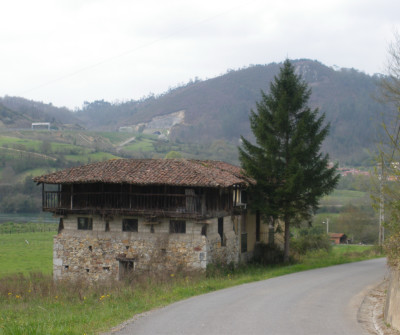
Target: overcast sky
<point>70,51</point>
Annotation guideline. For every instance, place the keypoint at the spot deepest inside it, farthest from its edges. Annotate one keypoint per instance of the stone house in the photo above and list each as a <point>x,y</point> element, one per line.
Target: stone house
<point>127,215</point>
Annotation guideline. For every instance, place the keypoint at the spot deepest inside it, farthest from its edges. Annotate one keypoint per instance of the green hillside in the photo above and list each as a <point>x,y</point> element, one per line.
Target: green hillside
<point>214,113</point>
<point>218,108</point>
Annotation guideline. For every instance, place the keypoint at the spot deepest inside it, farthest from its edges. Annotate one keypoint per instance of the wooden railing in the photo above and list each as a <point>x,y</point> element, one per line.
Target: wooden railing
<point>179,203</point>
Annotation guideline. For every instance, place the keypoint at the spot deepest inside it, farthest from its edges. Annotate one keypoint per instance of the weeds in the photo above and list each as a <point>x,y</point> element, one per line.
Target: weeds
<point>35,304</point>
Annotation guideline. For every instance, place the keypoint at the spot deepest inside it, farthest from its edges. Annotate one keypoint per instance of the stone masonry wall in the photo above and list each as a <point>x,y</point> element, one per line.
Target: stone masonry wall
<point>392,307</point>
<point>226,250</point>
<point>92,254</point>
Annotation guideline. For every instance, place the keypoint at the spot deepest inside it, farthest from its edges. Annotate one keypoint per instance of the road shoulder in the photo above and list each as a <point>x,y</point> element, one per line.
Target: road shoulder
<point>370,313</point>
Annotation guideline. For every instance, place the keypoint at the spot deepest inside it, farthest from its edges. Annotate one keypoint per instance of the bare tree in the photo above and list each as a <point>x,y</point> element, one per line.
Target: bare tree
<point>388,169</point>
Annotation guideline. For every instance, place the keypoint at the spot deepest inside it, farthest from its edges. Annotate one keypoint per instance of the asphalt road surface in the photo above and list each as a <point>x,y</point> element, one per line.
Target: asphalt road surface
<point>321,302</point>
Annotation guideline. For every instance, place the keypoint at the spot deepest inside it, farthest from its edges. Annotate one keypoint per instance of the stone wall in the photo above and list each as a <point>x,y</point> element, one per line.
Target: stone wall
<point>223,250</point>
<point>392,306</point>
<point>99,254</point>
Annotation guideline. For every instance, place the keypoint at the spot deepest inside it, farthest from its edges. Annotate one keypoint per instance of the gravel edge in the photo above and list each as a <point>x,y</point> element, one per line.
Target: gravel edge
<point>370,313</point>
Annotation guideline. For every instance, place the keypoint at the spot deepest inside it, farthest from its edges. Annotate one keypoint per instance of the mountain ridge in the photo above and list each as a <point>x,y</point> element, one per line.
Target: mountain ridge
<point>218,108</point>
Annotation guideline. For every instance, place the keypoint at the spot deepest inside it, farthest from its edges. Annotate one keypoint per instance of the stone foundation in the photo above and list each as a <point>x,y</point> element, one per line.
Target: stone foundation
<point>98,254</point>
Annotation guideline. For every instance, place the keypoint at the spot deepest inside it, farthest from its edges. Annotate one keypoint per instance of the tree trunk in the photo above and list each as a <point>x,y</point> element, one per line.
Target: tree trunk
<point>287,241</point>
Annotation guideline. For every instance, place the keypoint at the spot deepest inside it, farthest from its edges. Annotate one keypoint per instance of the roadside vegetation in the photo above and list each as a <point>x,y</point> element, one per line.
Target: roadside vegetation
<point>350,210</point>
<point>31,303</point>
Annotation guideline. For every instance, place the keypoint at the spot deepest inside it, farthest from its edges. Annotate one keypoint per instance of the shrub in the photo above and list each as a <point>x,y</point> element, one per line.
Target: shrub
<point>302,244</point>
<point>267,254</point>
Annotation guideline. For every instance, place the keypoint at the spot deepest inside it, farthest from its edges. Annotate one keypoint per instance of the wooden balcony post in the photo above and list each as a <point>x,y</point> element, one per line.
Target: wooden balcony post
<point>72,196</point>
<point>59,195</point>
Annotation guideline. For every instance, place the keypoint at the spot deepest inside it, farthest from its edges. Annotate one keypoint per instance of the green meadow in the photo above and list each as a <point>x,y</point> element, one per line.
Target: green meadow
<point>31,303</point>
<point>26,252</point>
<point>345,197</point>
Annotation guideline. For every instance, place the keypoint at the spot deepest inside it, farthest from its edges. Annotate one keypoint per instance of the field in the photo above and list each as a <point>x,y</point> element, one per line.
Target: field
<point>345,197</point>
<point>33,304</point>
<point>26,252</point>
<point>37,152</point>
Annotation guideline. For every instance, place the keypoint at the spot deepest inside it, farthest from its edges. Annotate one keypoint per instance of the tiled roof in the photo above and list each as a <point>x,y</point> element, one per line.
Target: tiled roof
<point>178,172</point>
<point>336,235</point>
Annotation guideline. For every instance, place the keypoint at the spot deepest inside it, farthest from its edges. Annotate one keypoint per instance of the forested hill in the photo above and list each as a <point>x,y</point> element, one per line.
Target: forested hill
<point>218,108</point>
<point>16,112</point>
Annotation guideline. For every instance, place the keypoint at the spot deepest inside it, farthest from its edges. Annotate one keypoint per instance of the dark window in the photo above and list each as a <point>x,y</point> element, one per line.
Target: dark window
<point>85,223</point>
<point>243,197</point>
<point>258,227</point>
<point>61,225</point>
<point>221,230</point>
<point>243,241</point>
<point>204,230</point>
<point>130,225</point>
<point>126,269</point>
<point>177,227</point>
<point>107,228</point>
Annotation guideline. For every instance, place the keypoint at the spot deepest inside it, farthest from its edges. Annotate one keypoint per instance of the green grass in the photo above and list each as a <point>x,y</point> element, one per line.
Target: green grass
<point>116,137</point>
<point>93,157</point>
<point>34,304</point>
<point>28,144</point>
<point>344,197</point>
<point>26,252</point>
<point>144,144</point>
<point>30,227</point>
<point>101,156</point>
<point>35,172</point>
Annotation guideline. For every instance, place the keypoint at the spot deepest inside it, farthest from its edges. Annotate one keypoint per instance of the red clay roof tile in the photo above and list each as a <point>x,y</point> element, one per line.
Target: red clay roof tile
<point>178,172</point>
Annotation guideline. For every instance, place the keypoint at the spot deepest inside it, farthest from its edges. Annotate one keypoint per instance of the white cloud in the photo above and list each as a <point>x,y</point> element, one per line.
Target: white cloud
<point>66,51</point>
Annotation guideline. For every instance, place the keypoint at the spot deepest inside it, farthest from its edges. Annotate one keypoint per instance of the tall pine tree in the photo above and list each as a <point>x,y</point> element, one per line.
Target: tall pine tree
<point>290,171</point>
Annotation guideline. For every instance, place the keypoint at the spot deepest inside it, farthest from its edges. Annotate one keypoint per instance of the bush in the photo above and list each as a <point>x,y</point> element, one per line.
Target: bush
<point>267,254</point>
<point>301,245</point>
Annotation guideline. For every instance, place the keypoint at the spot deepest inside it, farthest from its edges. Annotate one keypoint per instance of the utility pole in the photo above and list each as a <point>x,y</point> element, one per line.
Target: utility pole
<point>381,204</point>
<point>327,226</point>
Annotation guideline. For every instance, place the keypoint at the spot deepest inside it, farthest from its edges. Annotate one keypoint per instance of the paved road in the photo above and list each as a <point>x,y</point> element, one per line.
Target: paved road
<point>321,302</point>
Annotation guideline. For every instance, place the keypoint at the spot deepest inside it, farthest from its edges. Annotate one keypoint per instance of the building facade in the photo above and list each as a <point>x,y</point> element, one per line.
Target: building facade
<point>125,216</point>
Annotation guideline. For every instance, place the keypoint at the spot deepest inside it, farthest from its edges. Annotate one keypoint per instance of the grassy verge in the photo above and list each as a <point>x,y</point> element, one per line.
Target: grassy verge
<point>34,304</point>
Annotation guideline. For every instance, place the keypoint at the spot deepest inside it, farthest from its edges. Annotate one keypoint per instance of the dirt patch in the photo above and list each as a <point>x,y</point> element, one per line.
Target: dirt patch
<point>370,314</point>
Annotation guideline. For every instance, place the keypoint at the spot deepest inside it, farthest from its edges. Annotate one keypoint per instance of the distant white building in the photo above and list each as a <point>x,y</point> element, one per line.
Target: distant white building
<point>125,129</point>
<point>40,125</point>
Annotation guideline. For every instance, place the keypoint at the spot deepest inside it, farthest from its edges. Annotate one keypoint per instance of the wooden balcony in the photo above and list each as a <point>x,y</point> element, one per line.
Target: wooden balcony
<point>126,203</point>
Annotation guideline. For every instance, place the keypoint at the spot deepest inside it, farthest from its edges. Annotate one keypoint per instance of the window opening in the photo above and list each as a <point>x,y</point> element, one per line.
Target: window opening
<point>258,226</point>
<point>60,225</point>
<point>126,268</point>
<point>130,225</point>
<point>177,227</point>
<point>204,230</point>
<point>243,242</point>
<point>107,228</point>
<point>85,223</point>
<point>221,230</point>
